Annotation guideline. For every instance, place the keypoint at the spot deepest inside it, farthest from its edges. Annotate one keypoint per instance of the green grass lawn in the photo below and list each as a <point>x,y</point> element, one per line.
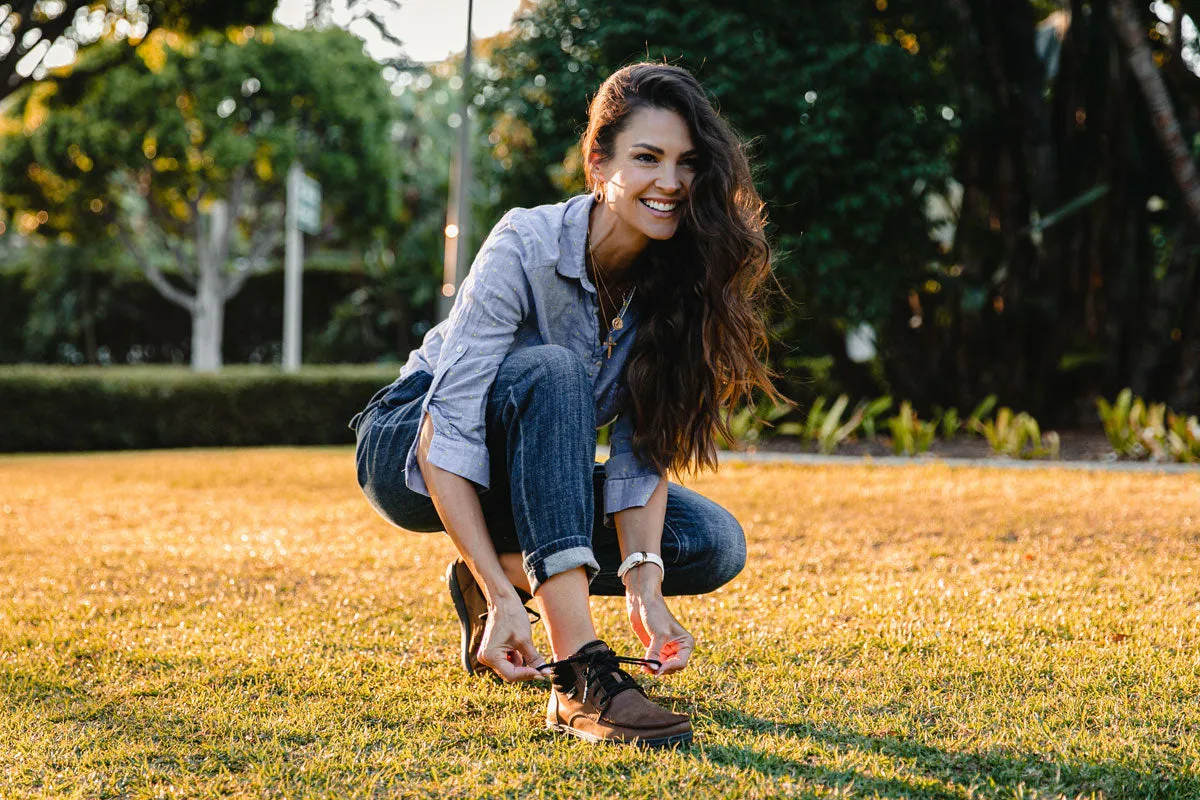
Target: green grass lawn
<point>240,623</point>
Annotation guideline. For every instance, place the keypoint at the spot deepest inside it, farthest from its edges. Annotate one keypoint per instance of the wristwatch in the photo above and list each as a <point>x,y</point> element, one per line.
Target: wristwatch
<point>640,557</point>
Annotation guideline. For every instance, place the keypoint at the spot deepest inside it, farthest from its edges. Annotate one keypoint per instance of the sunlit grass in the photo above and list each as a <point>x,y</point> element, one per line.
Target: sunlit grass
<point>241,623</point>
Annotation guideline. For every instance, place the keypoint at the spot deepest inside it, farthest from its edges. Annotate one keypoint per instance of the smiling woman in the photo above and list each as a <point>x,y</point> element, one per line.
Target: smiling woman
<point>639,303</point>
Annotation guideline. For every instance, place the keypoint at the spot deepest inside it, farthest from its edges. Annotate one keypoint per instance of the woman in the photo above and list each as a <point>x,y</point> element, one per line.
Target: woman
<point>637,301</point>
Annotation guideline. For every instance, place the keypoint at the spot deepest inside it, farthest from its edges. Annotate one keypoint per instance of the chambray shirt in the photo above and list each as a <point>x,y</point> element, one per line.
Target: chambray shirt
<point>527,286</point>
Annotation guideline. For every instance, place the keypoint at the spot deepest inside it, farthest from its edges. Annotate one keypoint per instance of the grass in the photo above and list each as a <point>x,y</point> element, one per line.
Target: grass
<point>240,623</point>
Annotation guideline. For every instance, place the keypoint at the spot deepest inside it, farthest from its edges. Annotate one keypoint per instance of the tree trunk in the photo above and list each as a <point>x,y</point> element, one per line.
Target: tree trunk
<point>208,313</point>
<point>208,320</point>
<point>1129,29</point>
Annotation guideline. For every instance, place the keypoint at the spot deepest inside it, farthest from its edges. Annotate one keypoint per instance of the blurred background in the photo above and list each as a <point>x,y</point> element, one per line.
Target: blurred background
<point>967,197</point>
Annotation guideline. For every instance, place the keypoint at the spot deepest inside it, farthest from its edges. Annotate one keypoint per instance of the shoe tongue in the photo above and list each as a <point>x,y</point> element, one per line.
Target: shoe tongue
<point>594,646</point>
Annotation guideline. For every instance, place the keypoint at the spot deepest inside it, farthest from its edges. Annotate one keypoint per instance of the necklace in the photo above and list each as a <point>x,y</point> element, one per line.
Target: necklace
<point>618,322</point>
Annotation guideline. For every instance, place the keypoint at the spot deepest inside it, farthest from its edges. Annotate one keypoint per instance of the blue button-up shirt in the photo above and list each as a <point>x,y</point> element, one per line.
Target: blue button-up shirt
<point>527,286</point>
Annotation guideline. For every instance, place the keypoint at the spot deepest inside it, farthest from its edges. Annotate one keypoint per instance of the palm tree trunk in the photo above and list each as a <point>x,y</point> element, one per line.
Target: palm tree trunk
<point>1131,32</point>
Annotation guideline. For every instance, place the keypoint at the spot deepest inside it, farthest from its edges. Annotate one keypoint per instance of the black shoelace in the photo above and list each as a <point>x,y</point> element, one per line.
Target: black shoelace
<point>533,616</point>
<point>602,674</point>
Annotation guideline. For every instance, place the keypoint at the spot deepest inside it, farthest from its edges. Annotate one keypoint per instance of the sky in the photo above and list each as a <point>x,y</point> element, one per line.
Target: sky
<point>430,29</point>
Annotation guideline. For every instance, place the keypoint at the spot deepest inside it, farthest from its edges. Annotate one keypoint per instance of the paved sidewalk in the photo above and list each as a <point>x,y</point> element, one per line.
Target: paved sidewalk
<point>769,457</point>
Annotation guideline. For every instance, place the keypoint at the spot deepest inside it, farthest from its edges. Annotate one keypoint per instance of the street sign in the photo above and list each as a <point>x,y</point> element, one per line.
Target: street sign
<point>307,202</point>
<point>303,214</point>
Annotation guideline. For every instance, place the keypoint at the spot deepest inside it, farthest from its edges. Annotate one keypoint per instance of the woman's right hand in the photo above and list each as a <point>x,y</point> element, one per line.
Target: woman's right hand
<point>507,645</point>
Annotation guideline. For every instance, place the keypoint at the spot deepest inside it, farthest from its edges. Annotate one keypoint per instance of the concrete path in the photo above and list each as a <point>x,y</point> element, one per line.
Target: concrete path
<point>768,457</point>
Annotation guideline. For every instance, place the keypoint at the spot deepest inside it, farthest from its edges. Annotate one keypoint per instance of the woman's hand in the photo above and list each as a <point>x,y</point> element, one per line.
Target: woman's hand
<point>661,634</point>
<point>507,645</point>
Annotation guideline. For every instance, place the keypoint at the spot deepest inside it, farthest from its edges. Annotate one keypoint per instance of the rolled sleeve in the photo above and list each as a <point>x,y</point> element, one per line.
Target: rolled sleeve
<point>491,303</point>
<point>628,481</point>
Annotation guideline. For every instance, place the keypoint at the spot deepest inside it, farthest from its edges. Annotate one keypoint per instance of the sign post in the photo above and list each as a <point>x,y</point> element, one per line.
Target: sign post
<point>303,215</point>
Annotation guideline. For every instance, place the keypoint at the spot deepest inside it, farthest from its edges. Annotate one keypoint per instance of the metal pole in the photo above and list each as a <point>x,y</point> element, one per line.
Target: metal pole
<point>293,261</point>
<point>457,260</point>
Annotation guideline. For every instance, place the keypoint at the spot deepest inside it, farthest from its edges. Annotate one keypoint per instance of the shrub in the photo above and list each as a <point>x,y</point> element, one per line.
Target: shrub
<point>948,422</point>
<point>871,412</point>
<point>748,423</point>
<point>910,435</point>
<point>982,410</point>
<point>1136,429</point>
<point>1017,435</point>
<point>119,408</point>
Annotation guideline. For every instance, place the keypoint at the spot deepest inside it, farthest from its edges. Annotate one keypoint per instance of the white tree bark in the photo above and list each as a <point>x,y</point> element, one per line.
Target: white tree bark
<point>214,279</point>
<point>208,317</point>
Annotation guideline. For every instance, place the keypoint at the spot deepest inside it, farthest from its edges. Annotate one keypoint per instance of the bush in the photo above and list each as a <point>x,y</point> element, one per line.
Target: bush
<point>118,408</point>
<point>1137,429</point>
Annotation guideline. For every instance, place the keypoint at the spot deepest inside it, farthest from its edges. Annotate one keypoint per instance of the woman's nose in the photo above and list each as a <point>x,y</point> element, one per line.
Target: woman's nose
<point>668,178</point>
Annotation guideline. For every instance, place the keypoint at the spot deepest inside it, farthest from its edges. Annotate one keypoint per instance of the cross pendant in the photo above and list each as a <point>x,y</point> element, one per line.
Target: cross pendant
<point>609,343</point>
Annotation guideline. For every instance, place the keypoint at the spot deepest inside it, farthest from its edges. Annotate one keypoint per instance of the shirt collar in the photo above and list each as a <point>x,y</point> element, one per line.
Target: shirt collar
<point>573,240</point>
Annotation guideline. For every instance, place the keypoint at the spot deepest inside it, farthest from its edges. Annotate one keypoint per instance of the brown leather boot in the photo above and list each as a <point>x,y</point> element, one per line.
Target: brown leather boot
<point>472,610</point>
<point>596,700</point>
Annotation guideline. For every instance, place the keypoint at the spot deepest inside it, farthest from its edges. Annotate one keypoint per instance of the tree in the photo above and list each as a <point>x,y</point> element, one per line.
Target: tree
<point>849,132</point>
<point>1071,265</point>
<point>183,153</point>
<point>1075,251</point>
<point>29,30</point>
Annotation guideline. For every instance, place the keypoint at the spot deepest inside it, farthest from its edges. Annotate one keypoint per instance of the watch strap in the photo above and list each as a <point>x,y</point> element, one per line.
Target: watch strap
<point>637,559</point>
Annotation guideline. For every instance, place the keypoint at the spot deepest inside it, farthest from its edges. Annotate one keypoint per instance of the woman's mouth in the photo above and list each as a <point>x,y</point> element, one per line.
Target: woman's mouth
<point>661,208</point>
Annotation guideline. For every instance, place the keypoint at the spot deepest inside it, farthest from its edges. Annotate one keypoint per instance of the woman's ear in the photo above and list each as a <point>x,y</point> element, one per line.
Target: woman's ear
<point>596,167</point>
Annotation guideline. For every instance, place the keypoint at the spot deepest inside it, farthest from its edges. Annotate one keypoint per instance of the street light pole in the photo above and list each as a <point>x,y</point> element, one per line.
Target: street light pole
<point>456,260</point>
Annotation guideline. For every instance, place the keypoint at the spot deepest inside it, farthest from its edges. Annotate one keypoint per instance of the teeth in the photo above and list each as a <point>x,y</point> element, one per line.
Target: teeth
<point>657,206</point>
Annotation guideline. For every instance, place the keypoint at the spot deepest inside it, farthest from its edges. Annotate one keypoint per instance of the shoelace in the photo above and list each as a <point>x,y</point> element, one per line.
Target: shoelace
<point>533,616</point>
<point>602,670</point>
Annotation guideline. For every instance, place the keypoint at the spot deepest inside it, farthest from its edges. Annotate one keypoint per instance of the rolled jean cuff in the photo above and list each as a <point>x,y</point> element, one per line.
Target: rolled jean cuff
<point>561,555</point>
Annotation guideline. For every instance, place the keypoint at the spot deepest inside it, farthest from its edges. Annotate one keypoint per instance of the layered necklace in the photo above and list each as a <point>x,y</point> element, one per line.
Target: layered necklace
<point>618,321</point>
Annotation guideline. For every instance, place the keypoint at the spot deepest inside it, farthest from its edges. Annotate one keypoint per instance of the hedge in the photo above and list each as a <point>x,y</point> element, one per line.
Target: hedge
<point>118,408</point>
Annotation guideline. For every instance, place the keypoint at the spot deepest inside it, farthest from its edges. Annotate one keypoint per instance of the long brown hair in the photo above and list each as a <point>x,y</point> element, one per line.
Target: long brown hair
<point>700,345</point>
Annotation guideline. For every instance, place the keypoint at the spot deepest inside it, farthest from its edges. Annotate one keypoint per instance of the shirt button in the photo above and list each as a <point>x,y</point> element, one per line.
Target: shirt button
<point>598,364</point>
<point>459,348</point>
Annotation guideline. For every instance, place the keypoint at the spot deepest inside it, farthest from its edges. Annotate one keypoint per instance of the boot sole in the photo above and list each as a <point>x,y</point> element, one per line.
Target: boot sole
<point>676,740</point>
<point>464,618</point>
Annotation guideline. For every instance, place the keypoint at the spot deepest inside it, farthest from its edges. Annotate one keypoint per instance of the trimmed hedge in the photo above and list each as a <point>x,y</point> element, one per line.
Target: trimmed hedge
<point>120,408</point>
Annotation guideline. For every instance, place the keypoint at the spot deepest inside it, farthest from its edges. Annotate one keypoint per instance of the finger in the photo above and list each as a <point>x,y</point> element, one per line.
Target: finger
<point>527,674</point>
<point>674,657</point>
<point>653,653</point>
<point>672,665</point>
<point>530,655</point>
<point>509,667</point>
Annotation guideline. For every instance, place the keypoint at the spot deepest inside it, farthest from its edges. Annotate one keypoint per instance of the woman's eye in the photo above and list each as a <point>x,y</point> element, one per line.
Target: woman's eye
<point>645,158</point>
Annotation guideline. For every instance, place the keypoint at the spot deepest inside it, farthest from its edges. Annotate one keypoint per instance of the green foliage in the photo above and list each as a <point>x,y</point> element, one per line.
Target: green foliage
<point>118,408</point>
<point>1017,435</point>
<point>911,435</point>
<point>948,422</point>
<point>1139,430</point>
<point>982,410</point>
<point>1183,437</point>
<point>56,22</point>
<point>872,410</point>
<point>67,304</point>
<point>826,427</point>
<point>161,136</point>
<point>748,423</point>
<point>845,174</point>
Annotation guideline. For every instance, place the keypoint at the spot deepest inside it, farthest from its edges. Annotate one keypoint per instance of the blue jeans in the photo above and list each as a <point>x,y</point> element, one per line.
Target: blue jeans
<point>545,498</point>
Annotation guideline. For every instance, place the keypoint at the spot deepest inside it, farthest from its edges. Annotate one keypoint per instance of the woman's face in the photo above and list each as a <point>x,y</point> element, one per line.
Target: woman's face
<point>648,178</point>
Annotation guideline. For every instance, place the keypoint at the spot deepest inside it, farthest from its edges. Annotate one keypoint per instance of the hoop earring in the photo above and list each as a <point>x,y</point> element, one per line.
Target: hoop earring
<point>599,192</point>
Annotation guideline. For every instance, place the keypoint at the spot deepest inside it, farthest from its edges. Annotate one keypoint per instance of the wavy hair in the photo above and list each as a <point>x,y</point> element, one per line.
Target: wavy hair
<point>699,349</point>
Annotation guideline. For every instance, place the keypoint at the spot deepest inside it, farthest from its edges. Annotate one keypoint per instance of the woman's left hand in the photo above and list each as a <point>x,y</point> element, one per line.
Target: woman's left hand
<point>664,638</point>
